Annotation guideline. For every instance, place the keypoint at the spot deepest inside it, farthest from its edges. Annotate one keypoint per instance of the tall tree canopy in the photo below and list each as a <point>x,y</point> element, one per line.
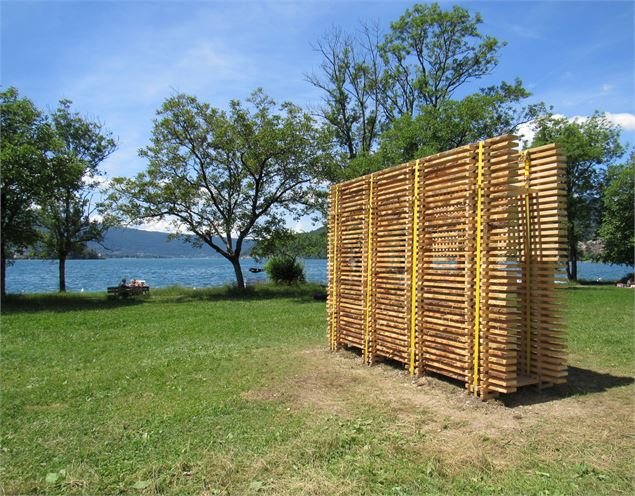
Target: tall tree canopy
<point>284,242</point>
<point>226,175</point>
<point>453,123</point>
<point>398,88</point>
<point>590,146</point>
<point>618,219</point>
<point>429,53</point>
<point>67,213</point>
<point>350,78</point>
<point>26,140</point>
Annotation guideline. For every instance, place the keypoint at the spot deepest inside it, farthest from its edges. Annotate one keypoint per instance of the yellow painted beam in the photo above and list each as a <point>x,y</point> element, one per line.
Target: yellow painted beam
<point>413,282</point>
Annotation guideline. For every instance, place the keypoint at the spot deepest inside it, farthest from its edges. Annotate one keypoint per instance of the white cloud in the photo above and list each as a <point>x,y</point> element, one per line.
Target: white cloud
<point>525,31</point>
<point>164,226</point>
<point>625,120</point>
<point>525,133</point>
<point>305,224</point>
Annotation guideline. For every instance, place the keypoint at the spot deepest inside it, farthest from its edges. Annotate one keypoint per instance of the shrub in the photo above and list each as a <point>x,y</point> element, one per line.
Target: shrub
<point>284,270</point>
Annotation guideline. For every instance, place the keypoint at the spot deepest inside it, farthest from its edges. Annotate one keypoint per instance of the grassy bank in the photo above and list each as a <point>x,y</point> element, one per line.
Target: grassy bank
<point>204,392</point>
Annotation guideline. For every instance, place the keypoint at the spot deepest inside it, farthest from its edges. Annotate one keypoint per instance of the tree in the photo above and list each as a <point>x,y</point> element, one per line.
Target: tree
<point>590,145</point>
<point>491,112</point>
<point>285,243</point>
<point>618,219</point>
<point>67,214</point>
<point>430,52</point>
<point>26,139</point>
<point>370,82</point>
<point>351,78</point>
<point>225,175</point>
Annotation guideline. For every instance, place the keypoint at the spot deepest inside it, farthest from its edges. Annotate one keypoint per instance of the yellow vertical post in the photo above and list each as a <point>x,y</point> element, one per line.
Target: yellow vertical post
<point>477,312</point>
<point>333,294</point>
<point>413,283</point>
<point>527,267</point>
<point>369,265</point>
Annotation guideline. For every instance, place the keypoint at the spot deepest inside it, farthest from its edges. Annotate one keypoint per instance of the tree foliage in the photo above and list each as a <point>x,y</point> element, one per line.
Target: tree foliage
<point>351,81</point>
<point>26,141</point>
<point>590,146</point>
<point>429,53</point>
<point>618,219</point>
<point>228,174</point>
<point>284,242</point>
<point>490,112</point>
<point>397,89</point>
<point>67,213</point>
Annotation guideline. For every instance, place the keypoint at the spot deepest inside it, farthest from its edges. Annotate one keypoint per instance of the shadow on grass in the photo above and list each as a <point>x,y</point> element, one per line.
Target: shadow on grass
<point>304,293</point>
<point>69,302</point>
<point>584,287</point>
<point>580,382</point>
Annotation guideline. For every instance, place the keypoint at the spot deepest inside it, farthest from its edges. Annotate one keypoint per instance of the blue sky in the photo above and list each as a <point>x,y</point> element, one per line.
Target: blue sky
<point>118,60</point>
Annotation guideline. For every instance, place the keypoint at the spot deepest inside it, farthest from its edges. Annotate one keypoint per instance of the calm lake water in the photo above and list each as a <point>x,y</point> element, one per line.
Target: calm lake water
<point>39,276</point>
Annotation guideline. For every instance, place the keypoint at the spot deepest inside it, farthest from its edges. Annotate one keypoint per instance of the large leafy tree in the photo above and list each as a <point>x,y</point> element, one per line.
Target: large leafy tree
<point>225,175</point>
<point>350,78</point>
<point>67,214</point>
<point>431,52</point>
<point>590,146</point>
<point>26,140</point>
<point>372,82</point>
<point>618,219</point>
<point>491,112</point>
<point>283,242</point>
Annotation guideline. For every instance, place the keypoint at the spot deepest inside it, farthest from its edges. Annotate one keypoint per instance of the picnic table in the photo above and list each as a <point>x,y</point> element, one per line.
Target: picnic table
<point>127,291</point>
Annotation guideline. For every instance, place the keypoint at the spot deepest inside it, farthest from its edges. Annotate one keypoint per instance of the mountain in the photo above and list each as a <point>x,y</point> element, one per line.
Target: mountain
<point>121,242</point>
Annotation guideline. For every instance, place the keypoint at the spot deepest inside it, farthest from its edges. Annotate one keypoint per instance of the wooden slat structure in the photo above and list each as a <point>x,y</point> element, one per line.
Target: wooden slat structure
<point>448,264</point>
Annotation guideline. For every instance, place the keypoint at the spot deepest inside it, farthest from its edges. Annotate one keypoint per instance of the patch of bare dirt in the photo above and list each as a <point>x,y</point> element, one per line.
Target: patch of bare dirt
<point>463,429</point>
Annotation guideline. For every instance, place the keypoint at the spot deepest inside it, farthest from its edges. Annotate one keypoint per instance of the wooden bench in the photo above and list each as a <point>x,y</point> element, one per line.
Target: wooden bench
<point>127,291</point>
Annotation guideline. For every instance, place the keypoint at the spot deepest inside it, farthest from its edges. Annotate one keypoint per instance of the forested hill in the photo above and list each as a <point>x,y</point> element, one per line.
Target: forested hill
<point>122,242</point>
<point>312,244</point>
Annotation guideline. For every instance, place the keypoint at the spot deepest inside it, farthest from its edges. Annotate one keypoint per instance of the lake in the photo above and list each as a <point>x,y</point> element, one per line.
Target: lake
<point>40,276</point>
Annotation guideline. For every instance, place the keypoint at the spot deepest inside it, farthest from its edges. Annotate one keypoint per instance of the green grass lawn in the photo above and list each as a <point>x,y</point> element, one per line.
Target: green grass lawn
<point>202,392</point>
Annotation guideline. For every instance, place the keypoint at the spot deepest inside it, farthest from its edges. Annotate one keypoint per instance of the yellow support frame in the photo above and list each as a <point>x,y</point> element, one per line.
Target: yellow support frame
<point>477,303</point>
<point>413,283</point>
<point>334,280</point>
<point>369,262</point>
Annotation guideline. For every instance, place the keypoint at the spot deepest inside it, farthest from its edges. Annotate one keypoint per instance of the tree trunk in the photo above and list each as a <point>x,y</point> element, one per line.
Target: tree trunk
<point>3,271</point>
<point>240,280</point>
<point>572,263</point>
<point>62,272</point>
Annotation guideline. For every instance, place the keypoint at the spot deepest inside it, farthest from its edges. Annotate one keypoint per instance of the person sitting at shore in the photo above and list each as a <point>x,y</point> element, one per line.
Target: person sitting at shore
<point>123,283</point>
<point>627,281</point>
